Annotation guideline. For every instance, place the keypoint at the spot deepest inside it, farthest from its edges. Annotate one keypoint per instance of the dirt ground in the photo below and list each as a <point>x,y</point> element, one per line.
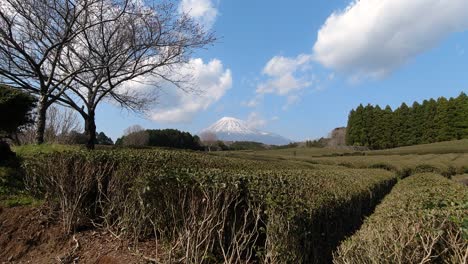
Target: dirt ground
<point>31,235</point>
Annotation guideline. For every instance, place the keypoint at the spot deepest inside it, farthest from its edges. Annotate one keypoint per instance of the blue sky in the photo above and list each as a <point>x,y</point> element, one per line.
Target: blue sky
<point>296,68</point>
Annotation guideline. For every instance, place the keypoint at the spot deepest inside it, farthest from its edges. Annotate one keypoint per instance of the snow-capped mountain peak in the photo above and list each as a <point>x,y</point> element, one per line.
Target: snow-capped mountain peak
<point>231,125</point>
<point>233,129</point>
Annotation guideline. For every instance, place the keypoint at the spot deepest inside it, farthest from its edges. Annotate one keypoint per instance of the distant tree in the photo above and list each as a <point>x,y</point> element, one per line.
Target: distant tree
<point>173,138</point>
<point>442,120</point>
<point>337,137</point>
<point>387,123</point>
<point>402,126</point>
<point>16,111</point>
<point>428,122</point>
<point>461,119</point>
<point>350,129</point>
<point>221,145</point>
<point>135,136</point>
<point>430,129</point>
<point>360,130</point>
<point>74,138</point>
<point>102,139</point>
<point>208,139</point>
<point>247,145</point>
<point>416,124</point>
<point>376,130</point>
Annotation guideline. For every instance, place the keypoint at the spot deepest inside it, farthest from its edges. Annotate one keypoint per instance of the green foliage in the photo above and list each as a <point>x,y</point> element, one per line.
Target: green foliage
<point>317,143</point>
<point>26,151</point>
<point>431,121</point>
<point>301,213</point>
<point>15,109</point>
<point>246,145</point>
<point>12,189</point>
<point>170,138</point>
<point>103,139</point>
<point>423,220</point>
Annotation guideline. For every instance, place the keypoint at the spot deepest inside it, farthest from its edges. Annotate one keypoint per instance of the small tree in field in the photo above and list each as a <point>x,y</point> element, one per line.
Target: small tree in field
<point>208,139</point>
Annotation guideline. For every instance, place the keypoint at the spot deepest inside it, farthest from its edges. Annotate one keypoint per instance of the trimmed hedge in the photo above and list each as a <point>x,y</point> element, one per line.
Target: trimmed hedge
<point>423,220</point>
<point>233,209</point>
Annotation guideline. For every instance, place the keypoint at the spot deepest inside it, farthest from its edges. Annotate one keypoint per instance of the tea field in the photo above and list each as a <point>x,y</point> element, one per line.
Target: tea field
<point>276,206</point>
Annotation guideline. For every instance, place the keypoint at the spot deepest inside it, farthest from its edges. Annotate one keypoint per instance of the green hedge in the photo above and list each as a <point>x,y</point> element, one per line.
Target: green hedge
<point>272,212</point>
<point>423,220</point>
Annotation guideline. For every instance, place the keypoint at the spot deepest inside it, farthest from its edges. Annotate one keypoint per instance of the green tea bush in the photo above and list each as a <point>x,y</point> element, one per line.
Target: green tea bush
<point>423,220</point>
<point>207,209</point>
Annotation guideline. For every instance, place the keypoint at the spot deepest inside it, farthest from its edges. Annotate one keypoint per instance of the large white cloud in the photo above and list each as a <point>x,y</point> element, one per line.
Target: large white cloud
<point>204,11</point>
<point>371,38</point>
<point>210,81</point>
<point>285,75</point>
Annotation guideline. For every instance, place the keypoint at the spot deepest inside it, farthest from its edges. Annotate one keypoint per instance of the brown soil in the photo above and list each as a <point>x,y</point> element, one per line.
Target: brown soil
<point>31,235</point>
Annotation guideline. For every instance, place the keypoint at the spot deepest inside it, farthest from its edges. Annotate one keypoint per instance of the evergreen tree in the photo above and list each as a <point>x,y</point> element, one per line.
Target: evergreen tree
<point>429,122</point>
<point>103,139</point>
<point>430,128</point>
<point>416,124</point>
<point>351,129</point>
<point>442,120</point>
<point>460,121</point>
<point>402,129</point>
<point>387,128</point>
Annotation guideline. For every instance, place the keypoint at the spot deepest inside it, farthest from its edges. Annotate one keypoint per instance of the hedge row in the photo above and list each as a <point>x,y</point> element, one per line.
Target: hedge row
<point>205,209</point>
<point>423,220</point>
<point>405,165</point>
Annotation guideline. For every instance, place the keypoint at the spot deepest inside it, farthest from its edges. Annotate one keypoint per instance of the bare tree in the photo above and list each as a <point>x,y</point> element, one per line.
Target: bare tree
<point>337,137</point>
<point>60,123</point>
<point>135,136</point>
<point>34,38</point>
<point>144,43</point>
<point>208,139</point>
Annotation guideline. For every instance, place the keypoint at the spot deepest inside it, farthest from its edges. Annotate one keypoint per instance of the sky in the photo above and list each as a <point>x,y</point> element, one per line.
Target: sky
<point>296,68</point>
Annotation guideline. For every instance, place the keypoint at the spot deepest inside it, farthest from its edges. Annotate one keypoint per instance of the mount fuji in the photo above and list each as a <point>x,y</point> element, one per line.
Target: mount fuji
<point>233,129</point>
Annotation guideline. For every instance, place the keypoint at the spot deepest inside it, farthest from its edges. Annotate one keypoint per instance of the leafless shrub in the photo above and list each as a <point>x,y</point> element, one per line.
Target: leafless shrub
<point>71,182</point>
<point>190,223</point>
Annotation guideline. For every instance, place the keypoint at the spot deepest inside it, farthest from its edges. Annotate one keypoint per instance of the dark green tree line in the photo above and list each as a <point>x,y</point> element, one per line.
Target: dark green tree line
<point>170,138</point>
<point>421,123</point>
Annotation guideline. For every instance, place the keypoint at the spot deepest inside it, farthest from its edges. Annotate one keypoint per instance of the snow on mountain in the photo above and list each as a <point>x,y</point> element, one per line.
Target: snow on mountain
<point>231,125</point>
<point>233,129</point>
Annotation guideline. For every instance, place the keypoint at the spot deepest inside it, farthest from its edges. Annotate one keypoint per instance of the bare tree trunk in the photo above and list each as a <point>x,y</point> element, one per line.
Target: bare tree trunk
<point>90,129</point>
<point>41,119</point>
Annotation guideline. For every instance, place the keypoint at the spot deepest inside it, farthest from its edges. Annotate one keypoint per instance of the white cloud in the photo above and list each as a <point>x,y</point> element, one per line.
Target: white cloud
<point>285,75</point>
<point>255,120</point>
<point>291,100</point>
<point>254,101</point>
<point>371,38</point>
<point>212,81</point>
<point>203,11</point>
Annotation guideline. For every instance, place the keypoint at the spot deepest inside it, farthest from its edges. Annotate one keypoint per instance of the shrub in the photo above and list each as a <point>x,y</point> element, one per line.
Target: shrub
<point>16,108</point>
<point>423,220</point>
<point>205,209</point>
